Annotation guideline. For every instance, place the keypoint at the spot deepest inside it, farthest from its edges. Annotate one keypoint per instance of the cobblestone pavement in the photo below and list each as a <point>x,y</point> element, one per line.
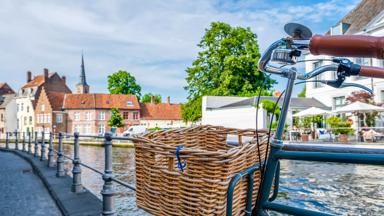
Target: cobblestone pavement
<point>21,191</point>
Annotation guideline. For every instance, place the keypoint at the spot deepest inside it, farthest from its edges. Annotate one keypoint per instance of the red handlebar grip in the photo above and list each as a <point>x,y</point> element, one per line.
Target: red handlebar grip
<point>375,72</point>
<point>347,46</point>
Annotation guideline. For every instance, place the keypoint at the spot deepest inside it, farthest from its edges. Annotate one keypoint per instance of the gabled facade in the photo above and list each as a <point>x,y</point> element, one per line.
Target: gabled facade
<point>27,97</point>
<point>89,113</point>
<point>48,112</point>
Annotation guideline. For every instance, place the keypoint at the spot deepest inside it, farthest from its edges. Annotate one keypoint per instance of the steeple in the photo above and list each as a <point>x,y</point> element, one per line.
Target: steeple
<point>82,87</point>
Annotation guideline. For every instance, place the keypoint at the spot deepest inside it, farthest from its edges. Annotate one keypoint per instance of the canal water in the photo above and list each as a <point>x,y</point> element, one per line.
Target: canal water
<point>341,189</point>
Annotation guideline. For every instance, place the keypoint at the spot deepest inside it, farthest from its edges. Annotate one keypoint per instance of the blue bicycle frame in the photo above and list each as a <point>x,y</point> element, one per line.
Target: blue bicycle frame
<point>305,152</point>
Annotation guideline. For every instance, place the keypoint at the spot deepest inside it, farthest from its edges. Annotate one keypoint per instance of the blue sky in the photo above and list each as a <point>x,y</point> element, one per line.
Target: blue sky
<point>154,40</point>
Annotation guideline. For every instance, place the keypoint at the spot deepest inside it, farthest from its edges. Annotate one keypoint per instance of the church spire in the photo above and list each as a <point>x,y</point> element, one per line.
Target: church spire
<point>82,87</point>
<point>83,80</point>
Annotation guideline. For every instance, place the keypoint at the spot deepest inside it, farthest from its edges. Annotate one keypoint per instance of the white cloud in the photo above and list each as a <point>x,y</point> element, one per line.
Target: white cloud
<point>155,40</point>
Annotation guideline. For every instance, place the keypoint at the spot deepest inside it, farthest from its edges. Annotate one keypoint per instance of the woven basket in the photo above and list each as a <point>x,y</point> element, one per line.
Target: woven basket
<point>201,189</point>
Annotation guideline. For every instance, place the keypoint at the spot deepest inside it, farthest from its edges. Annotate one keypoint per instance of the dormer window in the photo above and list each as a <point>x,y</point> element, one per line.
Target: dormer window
<point>129,103</point>
<point>42,107</point>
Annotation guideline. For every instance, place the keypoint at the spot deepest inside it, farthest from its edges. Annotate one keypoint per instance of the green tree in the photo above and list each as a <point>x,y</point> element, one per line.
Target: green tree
<point>122,82</point>
<point>147,97</point>
<point>227,65</point>
<point>269,105</point>
<point>116,119</point>
<point>303,92</point>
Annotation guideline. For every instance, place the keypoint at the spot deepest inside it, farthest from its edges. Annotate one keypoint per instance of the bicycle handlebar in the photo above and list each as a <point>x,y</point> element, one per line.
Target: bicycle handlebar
<point>347,45</point>
<point>374,72</point>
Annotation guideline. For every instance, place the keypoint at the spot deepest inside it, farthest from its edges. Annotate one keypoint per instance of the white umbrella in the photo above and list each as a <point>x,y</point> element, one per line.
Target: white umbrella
<point>312,111</point>
<point>359,107</point>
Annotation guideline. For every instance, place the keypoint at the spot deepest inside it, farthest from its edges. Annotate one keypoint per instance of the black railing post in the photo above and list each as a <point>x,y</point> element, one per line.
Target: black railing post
<point>60,160</point>
<point>36,154</point>
<point>7,140</point>
<point>24,142</point>
<point>108,192</point>
<point>29,143</point>
<point>77,187</point>
<point>16,140</point>
<point>50,151</point>
<point>43,157</point>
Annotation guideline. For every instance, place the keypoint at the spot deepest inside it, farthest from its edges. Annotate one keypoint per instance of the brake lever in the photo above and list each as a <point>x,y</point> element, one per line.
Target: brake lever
<point>344,85</point>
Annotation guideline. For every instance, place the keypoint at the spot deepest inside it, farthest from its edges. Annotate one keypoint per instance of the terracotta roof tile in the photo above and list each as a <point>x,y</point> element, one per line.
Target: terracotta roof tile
<point>100,101</point>
<point>37,80</point>
<point>163,111</point>
<point>56,100</point>
<point>362,14</point>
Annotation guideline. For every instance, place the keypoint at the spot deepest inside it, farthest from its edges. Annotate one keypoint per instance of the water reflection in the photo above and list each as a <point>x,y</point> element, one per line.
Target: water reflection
<point>341,189</point>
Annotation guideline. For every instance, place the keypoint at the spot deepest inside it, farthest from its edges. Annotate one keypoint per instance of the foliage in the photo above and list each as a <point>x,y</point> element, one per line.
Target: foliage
<point>225,66</point>
<point>275,124</point>
<point>365,97</point>
<point>340,126</point>
<point>116,119</point>
<point>191,111</point>
<point>306,123</point>
<point>303,92</point>
<point>147,97</point>
<point>122,82</point>
<point>154,129</point>
<point>269,105</point>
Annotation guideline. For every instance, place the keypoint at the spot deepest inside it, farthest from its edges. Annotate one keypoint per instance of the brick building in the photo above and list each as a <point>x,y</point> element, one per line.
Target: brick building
<point>162,115</point>
<point>28,95</point>
<point>48,112</point>
<point>89,113</point>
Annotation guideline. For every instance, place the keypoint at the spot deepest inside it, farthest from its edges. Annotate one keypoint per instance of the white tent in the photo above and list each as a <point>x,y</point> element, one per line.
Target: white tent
<point>359,107</point>
<point>312,111</point>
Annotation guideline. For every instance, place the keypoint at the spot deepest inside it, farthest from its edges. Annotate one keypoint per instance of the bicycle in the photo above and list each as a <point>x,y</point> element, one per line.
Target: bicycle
<point>276,59</point>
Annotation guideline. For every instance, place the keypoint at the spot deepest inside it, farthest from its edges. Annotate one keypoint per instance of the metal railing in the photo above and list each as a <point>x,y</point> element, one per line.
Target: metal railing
<point>107,175</point>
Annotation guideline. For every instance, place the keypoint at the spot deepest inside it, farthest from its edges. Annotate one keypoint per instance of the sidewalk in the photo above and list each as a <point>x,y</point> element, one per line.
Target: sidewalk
<point>21,191</point>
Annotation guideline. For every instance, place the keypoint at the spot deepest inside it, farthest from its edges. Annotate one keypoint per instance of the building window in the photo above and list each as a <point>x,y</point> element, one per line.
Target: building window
<point>30,120</point>
<point>125,115</point>
<point>43,107</point>
<point>101,115</point>
<point>44,118</point>
<point>27,109</point>
<point>101,129</point>
<point>18,107</point>
<point>2,117</point>
<point>338,101</point>
<point>77,129</point>
<point>77,116</point>
<point>87,129</point>
<point>129,103</point>
<point>88,116</point>
<point>22,107</point>
<point>319,77</point>
<point>380,63</point>
<point>135,115</point>
<point>48,118</point>
<point>59,118</point>
<point>25,120</point>
<point>364,61</point>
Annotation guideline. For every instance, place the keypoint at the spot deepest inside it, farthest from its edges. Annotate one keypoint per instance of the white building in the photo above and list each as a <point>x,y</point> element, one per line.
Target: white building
<point>7,114</point>
<point>27,96</point>
<point>366,19</point>
<point>240,112</point>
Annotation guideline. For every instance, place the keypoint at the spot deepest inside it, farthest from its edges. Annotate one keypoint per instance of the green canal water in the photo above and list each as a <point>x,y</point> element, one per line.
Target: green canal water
<point>341,189</point>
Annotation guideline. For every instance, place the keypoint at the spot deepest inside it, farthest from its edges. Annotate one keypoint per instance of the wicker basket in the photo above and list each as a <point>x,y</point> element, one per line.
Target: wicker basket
<point>163,189</point>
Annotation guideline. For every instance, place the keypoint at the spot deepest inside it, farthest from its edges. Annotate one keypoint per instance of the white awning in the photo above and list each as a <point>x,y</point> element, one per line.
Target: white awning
<point>359,107</point>
<point>312,111</point>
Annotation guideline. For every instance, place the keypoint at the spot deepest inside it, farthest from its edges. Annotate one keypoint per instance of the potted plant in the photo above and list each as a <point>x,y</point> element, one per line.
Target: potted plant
<point>116,120</point>
<point>305,123</point>
<point>341,128</point>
